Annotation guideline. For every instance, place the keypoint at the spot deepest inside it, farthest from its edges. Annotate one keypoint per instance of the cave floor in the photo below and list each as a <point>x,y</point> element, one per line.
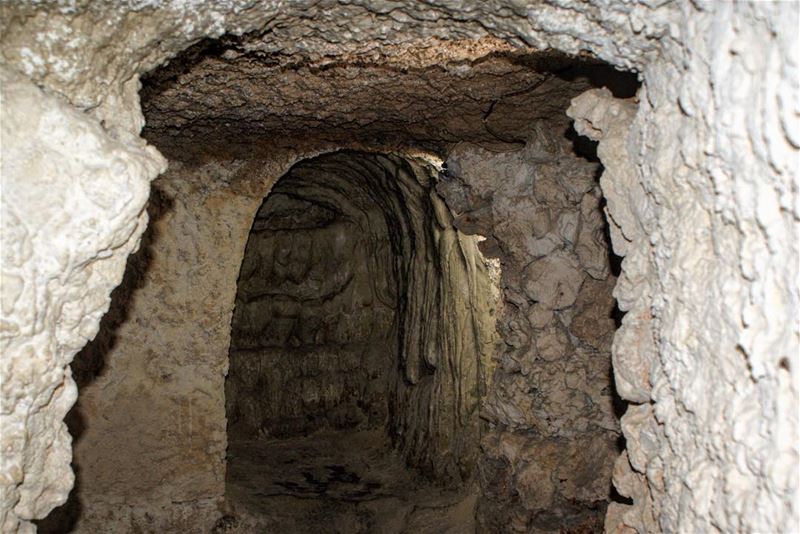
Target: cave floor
<point>336,482</point>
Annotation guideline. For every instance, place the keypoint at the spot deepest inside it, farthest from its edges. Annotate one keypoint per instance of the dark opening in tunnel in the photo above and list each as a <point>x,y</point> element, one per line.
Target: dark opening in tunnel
<point>363,324</point>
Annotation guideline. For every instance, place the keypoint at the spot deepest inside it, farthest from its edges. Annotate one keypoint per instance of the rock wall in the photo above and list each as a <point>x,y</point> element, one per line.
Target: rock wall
<point>151,408</point>
<point>150,426</point>
<point>710,240</point>
<point>707,208</point>
<point>53,249</point>
<point>433,332</point>
<point>548,455</point>
<point>313,339</point>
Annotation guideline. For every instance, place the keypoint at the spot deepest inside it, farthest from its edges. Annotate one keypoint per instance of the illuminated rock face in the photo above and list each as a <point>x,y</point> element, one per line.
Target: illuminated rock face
<point>65,241</point>
<point>700,193</point>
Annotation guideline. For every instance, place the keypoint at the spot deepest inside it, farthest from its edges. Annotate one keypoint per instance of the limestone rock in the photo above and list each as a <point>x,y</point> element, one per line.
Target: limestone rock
<point>699,178</point>
<point>553,281</point>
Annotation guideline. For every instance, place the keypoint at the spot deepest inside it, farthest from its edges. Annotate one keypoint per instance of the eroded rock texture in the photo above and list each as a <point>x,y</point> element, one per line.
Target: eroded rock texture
<point>238,95</point>
<point>311,340</point>
<point>703,196</point>
<point>358,299</point>
<point>360,307</point>
<point>553,428</point>
<point>47,314</point>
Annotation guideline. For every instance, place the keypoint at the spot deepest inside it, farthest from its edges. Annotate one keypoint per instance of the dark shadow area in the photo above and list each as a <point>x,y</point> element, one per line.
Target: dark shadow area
<point>616,496</point>
<point>621,84</point>
<point>90,362</point>
<point>615,264</point>
<point>583,147</point>
<point>620,404</point>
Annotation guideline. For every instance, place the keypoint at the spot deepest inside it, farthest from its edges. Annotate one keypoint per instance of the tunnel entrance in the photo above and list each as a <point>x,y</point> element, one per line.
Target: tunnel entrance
<point>362,329</point>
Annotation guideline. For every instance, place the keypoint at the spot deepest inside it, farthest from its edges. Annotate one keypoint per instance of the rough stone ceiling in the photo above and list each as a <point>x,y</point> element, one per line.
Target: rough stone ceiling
<point>235,95</point>
<point>99,47</point>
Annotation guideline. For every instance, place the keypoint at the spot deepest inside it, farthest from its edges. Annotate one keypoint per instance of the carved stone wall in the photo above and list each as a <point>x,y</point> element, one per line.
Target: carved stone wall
<point>150,433</point>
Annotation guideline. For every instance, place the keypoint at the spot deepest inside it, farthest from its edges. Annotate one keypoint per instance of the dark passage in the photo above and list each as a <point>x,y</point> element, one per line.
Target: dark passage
<point>361,327</point>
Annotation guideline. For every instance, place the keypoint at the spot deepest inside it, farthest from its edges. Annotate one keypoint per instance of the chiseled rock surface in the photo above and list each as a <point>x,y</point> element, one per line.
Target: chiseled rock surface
<point>150,422</point>
<point>222,96</point>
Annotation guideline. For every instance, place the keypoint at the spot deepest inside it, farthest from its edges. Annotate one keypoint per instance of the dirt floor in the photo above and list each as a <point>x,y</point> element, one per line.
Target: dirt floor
<point>337,482</point>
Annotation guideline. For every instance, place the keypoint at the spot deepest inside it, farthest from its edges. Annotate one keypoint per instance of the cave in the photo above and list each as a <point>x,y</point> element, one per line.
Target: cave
<point>399,267</point>
<point>363,324</point>
<point>358,323</point>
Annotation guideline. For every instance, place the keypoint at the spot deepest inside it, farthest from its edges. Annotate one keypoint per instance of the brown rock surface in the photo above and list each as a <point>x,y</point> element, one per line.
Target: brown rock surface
<point>701,187</point>
<point>551,406</point>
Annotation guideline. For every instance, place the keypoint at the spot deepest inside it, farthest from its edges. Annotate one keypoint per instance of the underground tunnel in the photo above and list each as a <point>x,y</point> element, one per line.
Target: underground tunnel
<point>363,322</point>
<point>369,267</point>
<point>372,298</point>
